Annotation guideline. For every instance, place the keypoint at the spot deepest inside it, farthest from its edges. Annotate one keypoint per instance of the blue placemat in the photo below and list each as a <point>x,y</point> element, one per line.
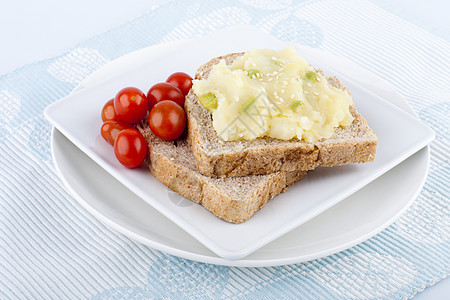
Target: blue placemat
<point>52,248</point>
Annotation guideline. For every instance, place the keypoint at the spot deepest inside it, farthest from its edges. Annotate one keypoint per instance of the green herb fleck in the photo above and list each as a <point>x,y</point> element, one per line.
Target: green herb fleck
<point>277,62</point>
<point>208,100</point>
<point>311,76</point>
<point>253,73</point>
<point>295,105</point>
<point>246,106</point>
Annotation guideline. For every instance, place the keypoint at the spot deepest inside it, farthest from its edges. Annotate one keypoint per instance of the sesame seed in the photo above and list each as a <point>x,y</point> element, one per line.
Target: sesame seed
<point>316,93</point>
<point>309,84</point>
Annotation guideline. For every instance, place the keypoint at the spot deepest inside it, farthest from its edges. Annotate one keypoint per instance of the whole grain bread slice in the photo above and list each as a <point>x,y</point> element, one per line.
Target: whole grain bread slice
<point>233,199</point>
<point>214,157</point>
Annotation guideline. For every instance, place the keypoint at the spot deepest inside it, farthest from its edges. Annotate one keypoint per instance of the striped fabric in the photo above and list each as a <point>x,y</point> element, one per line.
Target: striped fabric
<point>50,247</point>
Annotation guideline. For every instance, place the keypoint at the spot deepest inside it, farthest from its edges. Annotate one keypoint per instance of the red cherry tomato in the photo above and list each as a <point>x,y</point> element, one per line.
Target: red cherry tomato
<point>130,148</point>
<point>108,112</point>
<point>131,105</point>
<point>164,91</point>
<point>110,130</point>
<point>182,81</point>
<point>167,120</point>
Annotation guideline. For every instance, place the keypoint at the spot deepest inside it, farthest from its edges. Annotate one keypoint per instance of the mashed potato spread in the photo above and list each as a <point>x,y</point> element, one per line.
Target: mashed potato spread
<point>275,94</point>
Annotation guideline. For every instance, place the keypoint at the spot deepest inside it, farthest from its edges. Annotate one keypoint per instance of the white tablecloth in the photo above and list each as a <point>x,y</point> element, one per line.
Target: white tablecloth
<point>52,248</point>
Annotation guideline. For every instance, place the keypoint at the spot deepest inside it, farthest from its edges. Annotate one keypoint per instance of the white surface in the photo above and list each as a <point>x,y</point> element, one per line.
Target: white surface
<point>330,232</point>
<point>36,30</point>
<point>103,196</point>
<point>76,116</point>
<point>52,27</point>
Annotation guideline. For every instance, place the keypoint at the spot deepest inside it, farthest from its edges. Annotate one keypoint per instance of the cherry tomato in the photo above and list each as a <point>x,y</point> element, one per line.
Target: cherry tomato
<point>182,81</point>
<point>130,148</point>
<point>131,105</point>
<point>108,112</point>
<point>164,91</point>
<point>110,130</point>
<point>167,120</point>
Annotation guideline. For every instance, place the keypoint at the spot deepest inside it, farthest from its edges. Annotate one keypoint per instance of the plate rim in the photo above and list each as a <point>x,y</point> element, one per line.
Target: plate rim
<point>214,258</point>
<point>130,55</point>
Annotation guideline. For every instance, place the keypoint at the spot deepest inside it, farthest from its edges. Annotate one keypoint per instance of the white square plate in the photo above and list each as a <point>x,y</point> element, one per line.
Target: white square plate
<point>78,117</point>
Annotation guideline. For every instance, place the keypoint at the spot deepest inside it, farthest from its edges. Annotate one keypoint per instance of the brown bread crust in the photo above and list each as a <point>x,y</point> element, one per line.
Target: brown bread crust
<point>214,157</point>
<point>233,199</point>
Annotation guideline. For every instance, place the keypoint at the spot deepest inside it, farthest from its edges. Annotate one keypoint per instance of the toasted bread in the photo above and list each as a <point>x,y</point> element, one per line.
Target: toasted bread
<point>214,157</point>
<point>233,199</point>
